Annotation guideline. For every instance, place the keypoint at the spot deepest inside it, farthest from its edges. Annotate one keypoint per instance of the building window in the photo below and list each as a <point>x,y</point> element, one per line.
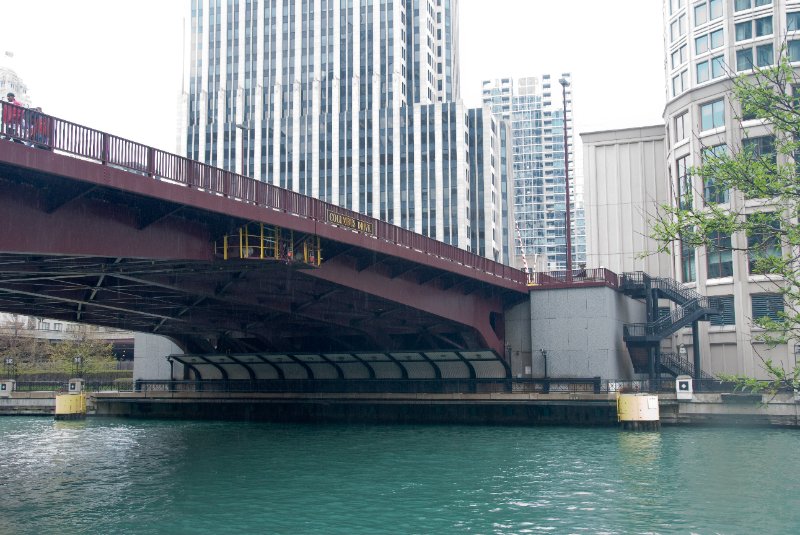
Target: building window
<point>744,30</point>
<point>793,21</point>
<point>717,39</point>
<point>701,44</point>
<point>677,28</point>
<point>767,306</point>
<point>719,256</point>
<point>675,5</point>
<point>744,59</point>
<point>764,55</point>
<point>740,5</point>
<point>728,315</point>
<point>717,66</point>
<point>712,115</point>
<point>700,14</point>
<point>688,264</point>
<point>794,50</point>
<point>714,9</point>
<point>763,243</point>
<point>762,147</point>
<point>679,83</point>
<point>679,57</point>
<point>680,127</point>
<point>714,193</point>
<point>763,26</point>
<point>684,183</point>
<point>703,74</point>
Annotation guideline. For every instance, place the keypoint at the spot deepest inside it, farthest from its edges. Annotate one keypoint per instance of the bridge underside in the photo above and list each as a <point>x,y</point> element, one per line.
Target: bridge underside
<point>90,243</point>
<point>239,306</point>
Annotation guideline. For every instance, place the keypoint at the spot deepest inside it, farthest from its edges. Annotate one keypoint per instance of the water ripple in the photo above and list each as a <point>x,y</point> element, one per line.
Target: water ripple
<point>149,477</point>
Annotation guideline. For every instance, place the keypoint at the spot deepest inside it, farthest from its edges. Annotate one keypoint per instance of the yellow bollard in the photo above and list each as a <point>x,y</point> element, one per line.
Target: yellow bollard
<point>71,406</point>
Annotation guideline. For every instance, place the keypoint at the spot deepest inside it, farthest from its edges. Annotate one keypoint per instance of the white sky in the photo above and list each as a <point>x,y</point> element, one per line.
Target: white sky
<point>116,65</point>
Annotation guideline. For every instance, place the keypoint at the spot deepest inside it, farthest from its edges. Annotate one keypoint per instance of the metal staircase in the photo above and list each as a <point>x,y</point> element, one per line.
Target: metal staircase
<point>691,307</point>
<point>675,365</point>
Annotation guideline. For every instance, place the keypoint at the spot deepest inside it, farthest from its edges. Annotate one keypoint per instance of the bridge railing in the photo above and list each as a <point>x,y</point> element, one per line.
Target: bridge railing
<point>51,133</point>
<point>578,277</point>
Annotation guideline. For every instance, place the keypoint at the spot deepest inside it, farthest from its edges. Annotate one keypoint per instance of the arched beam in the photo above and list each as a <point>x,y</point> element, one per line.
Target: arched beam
<point>244,365</point>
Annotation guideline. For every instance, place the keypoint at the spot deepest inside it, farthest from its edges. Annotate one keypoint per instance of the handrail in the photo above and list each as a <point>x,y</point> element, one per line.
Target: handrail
<point>51,133</point>
<point>674,289</point>
<point>683,366</point>
<point>579,277</point>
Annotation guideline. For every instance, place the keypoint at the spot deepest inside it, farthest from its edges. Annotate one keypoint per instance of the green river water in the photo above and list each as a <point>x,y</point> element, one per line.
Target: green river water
<point>147,477</point>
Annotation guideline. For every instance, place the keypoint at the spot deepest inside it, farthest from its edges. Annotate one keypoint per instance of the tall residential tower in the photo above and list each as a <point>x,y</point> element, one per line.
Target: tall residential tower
<point>535,109</point>
<point>355,102</point>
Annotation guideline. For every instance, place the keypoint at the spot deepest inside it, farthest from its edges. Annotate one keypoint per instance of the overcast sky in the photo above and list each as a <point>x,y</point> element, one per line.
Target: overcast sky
<point>116,65</point>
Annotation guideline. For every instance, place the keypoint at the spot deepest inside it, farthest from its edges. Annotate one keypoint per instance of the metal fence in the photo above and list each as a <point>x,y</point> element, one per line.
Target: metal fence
<point>592,385</point>
<point>667,385</point>
<point>403,386</point>
<point>577,277</point>
<point>119,385</point>
<point>50,133</point>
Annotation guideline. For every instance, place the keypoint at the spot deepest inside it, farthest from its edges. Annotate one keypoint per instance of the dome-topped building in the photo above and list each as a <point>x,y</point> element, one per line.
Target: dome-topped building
<point>10,80</point>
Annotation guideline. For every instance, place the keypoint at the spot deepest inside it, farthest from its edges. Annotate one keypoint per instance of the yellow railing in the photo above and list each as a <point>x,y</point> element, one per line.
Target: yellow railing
<point>258,241</point>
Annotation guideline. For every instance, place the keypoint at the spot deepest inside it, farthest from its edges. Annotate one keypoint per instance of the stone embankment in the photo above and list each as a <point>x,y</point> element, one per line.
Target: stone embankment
<point>514,409</point>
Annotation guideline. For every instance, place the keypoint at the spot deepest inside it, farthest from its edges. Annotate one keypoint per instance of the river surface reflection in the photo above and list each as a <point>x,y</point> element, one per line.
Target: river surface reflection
<point>143,477</point>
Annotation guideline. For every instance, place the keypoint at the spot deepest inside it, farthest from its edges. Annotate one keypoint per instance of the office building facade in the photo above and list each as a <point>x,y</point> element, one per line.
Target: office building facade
<point>705,43</point>
<point>355,102</point>
<point>534,107</point>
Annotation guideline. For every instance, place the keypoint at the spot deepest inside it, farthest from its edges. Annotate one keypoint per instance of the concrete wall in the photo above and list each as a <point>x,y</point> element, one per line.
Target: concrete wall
<point>581,330</point>
<point>149,357</point>
<point>518,339</point>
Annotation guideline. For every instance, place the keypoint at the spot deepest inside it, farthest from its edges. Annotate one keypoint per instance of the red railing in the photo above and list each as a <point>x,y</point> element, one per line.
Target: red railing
<point>579,277</point>
<point>50,133</point>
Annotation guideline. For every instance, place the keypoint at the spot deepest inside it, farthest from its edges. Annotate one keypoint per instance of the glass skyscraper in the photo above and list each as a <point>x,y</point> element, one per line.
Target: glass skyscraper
<point>355,102</point>
<point>535,110</point>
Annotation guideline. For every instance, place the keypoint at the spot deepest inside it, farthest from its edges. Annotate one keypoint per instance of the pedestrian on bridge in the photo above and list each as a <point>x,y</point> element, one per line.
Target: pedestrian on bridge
<point>40,129</point>
<point>12,117</point>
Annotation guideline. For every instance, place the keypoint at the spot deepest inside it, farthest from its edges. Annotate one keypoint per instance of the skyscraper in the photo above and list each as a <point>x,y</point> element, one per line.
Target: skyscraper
<point>535,109</point>
<point>355,102</point>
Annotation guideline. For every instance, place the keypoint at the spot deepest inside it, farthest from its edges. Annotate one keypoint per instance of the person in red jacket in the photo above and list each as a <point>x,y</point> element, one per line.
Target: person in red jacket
<point>40,129</point>
<point>12,116</point>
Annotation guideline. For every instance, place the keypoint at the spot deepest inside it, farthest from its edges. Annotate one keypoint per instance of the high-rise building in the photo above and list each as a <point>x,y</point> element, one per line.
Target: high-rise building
<point>535,110</point>
<point>705,42</point>
<point>355,102</point>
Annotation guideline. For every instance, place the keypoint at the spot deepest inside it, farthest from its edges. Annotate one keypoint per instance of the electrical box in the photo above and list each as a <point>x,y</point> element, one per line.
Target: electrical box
<point>683,388</point>
<point>6,387</point>
<point>75,386</point>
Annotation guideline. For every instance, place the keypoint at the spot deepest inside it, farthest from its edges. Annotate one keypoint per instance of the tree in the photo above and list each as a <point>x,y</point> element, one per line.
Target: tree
<point>94,355</point>
<point>764,170</point>
<point>18,343</point>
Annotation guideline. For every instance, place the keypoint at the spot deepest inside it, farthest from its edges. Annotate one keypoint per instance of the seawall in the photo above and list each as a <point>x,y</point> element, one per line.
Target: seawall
<point>475,409</point>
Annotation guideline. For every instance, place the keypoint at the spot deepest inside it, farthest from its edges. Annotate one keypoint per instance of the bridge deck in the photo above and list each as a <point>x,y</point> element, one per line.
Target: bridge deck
<point>102,230</point>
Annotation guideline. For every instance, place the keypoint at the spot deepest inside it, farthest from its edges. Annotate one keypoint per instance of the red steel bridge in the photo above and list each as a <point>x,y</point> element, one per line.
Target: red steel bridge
<point>102,230</point>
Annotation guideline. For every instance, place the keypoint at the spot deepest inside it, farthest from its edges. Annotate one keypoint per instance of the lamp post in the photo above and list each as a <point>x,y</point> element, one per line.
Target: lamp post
<point>544,358</point>
<point>568,230</point>
<point>9,362</point>
<point>78,362</point>
<point>245,153</point>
